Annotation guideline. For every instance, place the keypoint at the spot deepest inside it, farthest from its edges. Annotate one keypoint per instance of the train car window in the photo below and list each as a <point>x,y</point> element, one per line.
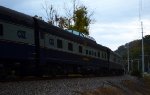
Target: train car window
<point>41,35</point>
<point>59,43</point>
<point>92,53</point>
<point>51,42</point>
<point>76,32</point>
<point>95,53</point>
<point>87,52</point>
<point>80,49</point>
<point>98,54</point>
<point>1,29</point>
<point>102,55</point>
<point>105,56</point>
<point>70,47</point>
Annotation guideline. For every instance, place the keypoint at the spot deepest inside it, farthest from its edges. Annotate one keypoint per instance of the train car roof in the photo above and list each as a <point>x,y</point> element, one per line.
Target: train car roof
<point>65,34</point>
<point>12,16</point>
<point>58,31</point>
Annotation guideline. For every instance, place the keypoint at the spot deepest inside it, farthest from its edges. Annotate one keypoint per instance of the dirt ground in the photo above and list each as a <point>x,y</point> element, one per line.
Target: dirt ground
<point>125,87</point>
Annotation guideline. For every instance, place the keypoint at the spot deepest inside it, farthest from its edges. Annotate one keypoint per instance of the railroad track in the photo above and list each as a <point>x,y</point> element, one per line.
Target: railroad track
<point>34,78</point>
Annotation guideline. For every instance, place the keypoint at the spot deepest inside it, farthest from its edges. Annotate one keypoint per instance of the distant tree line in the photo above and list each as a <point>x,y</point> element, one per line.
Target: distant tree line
<point>135,52</point>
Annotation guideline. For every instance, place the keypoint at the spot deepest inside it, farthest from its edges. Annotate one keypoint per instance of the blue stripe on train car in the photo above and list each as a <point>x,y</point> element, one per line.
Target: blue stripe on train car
<point>16,51</point>
<point>54,56</point>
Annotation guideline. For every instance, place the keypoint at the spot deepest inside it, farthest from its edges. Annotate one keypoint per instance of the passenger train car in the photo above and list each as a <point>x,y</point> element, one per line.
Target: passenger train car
<point>29,46</point>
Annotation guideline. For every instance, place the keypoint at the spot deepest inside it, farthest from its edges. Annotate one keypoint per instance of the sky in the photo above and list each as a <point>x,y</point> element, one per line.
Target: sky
<point>116,21</point>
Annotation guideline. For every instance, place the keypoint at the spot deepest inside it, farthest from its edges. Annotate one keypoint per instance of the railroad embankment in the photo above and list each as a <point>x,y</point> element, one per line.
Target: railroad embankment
<point>115,85</point>
<point>135,86</point>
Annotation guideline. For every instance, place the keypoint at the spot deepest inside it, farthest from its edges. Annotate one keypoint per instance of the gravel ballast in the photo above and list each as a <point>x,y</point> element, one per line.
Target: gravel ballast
<point>57,87</point>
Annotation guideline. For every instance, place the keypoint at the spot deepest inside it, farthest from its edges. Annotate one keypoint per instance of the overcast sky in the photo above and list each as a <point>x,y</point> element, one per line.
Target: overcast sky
<point>117,21</point>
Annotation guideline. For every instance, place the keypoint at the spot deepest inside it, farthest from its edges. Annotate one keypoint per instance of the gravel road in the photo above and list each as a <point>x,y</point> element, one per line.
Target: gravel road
<point>57,87</point>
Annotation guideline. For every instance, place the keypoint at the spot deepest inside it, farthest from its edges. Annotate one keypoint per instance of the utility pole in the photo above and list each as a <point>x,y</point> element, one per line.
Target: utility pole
<point>128,58</point>
<point>142,48</point>
<point>141,24</point>
<point>148,66</point>
<point>138,64</point>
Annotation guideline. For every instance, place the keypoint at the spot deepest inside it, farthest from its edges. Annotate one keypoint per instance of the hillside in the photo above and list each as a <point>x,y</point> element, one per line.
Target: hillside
<point>135,50</point>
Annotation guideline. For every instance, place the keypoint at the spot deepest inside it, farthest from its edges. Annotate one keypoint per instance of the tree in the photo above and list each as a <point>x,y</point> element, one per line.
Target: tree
<point>135,52</point>
<point>78,20</point>
<point>63,23</point>
<point>53,18</point>
<point>81,20</point>
<point>52,15</point>
<point>38,17</point>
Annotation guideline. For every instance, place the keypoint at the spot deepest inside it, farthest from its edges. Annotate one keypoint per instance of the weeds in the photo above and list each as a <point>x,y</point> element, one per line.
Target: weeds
<point>134,88</point>
<point>104,91</point>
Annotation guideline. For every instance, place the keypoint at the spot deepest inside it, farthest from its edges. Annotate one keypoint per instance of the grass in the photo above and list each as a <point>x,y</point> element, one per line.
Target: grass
<point>147,81</point>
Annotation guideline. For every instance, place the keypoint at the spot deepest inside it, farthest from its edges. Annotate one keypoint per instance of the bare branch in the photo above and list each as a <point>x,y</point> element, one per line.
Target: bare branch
<point>51,14</point>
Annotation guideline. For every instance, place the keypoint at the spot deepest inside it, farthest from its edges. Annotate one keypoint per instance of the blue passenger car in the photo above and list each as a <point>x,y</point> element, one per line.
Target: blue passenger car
<point>29,46</point>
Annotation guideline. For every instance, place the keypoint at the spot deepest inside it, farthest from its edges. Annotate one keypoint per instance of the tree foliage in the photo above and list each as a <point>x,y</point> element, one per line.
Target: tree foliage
<point>135,51</point>
<point>135,48</point>
<point>78,20</point>
<point>81,20</point>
